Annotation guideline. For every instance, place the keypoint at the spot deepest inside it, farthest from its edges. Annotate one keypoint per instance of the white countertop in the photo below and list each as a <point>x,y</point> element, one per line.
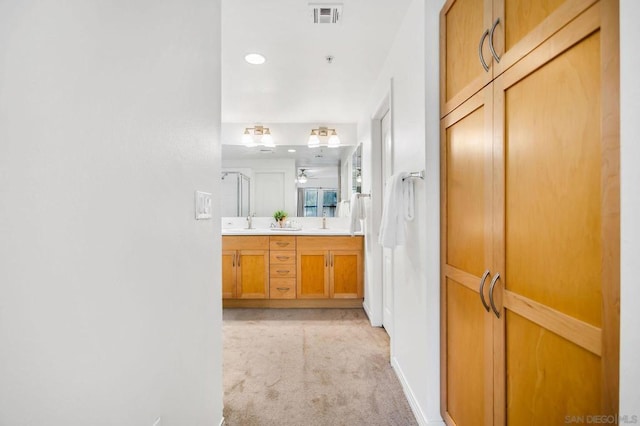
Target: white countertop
<point>287,231</point>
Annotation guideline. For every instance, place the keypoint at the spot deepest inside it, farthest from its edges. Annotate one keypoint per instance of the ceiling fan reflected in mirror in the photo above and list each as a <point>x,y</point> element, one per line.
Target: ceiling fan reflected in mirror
<point>302,176</point>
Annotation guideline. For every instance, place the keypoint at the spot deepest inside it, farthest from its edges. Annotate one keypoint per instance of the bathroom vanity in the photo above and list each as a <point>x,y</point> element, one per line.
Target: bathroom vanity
<point>292,269</point>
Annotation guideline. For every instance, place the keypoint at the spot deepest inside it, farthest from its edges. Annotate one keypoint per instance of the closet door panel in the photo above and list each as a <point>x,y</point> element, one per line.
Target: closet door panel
<point>462,24</point>
<point>553,191</point>
<point>557,291</point>
<point>549,377</point>
<point>524,25</point>
<point>469,356</point>
<point>468,187</point>
<point>467,343</point>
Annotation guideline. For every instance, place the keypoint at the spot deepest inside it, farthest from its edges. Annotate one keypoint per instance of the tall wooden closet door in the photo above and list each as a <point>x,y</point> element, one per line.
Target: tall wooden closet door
<point>556,159</point>
<point>466,251</point>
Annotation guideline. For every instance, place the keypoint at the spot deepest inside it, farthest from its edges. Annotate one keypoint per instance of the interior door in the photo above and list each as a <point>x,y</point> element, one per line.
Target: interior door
<point>467,335</point>
<point>387,254</point>
<point>560,237</point>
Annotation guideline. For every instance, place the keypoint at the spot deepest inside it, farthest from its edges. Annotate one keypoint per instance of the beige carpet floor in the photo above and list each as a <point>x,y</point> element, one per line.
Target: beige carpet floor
<point>304,367</point>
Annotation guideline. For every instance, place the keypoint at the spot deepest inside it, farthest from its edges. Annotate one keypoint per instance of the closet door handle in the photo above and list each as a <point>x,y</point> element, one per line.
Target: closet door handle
<point>493,50</point>
<point>484,64</point>
<point>481,290</point>
<point>491,287</point>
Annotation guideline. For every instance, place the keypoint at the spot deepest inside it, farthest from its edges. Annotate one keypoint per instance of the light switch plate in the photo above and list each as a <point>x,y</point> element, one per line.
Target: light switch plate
<point>203,205</point>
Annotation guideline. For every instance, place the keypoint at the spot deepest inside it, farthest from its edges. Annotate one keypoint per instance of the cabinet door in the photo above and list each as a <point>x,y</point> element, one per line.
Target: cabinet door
<point>253,274</point>
<point>312,274</point>
<point>467,253</point>
<point>556,157</point>
<point>346,274</point>
<point>229,259</point>
<point>521,26</point>
<point>463,25</point>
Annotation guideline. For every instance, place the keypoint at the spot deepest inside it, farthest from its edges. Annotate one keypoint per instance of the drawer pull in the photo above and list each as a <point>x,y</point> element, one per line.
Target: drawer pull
<point>282,244</point>
<point>281,271</point>
<point>283,288</point>
<point>282,257</point>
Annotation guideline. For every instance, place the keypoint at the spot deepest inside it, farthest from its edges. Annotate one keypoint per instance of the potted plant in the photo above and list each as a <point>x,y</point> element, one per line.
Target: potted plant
<point>280,216</point>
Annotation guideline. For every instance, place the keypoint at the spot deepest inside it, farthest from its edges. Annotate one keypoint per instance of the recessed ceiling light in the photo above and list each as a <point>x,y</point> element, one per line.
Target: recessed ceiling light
<point>291,150</point>
<point>255,59</point>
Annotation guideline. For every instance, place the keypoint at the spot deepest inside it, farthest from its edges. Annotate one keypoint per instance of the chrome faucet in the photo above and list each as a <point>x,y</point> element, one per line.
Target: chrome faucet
<point>250,220</point>
<point>324,220</point>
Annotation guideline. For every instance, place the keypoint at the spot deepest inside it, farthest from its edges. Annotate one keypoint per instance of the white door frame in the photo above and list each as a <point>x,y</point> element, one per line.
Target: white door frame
<point>374,298</point>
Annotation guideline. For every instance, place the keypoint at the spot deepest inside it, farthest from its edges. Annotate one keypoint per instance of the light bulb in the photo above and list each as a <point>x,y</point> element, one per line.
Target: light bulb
<point>267,139</point>
<point>247,139</point>
<point>334,140</point>
<point>314,140</point>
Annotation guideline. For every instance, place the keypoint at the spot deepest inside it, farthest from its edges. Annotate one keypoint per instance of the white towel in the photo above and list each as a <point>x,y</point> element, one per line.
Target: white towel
<point>343,209</point>
<point>396,209</point>
<point>356,214</point>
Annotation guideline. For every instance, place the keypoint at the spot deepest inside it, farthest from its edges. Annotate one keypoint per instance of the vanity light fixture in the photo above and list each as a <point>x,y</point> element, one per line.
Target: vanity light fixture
<point>314,138</point>
<point>266,138</point>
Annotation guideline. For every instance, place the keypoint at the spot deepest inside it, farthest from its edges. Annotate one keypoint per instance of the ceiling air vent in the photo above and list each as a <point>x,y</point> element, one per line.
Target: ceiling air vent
<point>326,13</point>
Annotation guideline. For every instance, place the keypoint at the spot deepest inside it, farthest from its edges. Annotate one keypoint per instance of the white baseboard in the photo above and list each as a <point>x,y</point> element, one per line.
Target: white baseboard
<point>367,311</point>
<point>413,403</point>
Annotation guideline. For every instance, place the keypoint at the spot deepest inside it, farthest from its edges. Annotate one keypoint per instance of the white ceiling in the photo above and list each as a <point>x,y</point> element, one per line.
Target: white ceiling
<point>296,84</point>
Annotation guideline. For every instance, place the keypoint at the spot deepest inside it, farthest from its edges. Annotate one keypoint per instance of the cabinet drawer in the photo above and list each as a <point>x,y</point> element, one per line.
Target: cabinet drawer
<point>283,271</point>
<point>282,288</point>
<point>282,257</point>
<point>245,242</point>
<point>279,242</point>
<point>330,243</point>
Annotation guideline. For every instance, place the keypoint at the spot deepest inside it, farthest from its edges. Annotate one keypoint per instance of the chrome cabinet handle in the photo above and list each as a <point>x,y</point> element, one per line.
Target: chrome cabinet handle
<point>484,64</point>
<point>238,261</point>
<point>332,260</point>
<point>282,258</point>
<point>326,261</point>
<point>233,261</point>
<point>282,288</point>
<point>282,272</point>
<point>481,290</point>
<point>493,50</point>
<point>493,305</point>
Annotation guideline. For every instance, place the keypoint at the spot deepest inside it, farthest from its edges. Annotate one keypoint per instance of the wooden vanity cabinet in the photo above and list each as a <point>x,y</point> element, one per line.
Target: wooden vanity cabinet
<point>329,267</point>
<point>245,267</point>
<point>286,271</point>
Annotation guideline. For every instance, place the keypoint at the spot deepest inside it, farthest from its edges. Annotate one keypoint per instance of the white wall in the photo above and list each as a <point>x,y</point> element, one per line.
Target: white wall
<point>415,349</point>
<point>110,308</point>
<point>630,201</point>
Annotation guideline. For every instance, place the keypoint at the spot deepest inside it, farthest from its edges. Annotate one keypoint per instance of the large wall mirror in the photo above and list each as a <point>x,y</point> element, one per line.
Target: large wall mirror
<point>300,180</point>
